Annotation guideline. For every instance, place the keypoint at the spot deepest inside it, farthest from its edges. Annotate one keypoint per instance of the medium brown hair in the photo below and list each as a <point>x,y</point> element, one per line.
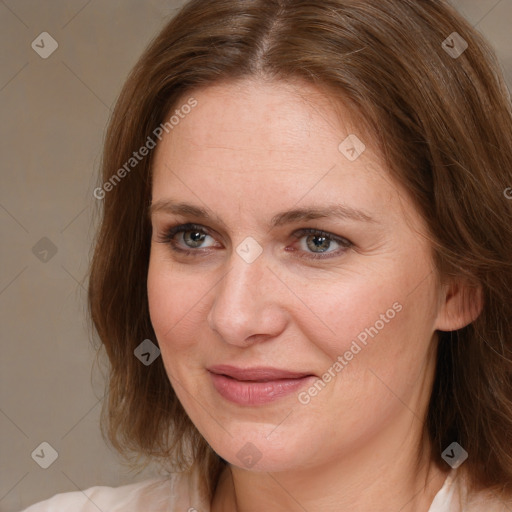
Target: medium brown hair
<point>444,126</point>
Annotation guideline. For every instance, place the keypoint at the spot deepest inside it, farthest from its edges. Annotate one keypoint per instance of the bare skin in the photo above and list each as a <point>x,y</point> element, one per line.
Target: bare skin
<point>247,153</point>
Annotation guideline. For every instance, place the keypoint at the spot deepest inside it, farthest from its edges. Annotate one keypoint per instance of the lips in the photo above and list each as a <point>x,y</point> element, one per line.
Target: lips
<point>257,373</point>
<point>256,385</point>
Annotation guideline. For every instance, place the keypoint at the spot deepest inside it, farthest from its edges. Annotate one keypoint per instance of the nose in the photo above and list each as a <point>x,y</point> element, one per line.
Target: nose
<point>248,304</point>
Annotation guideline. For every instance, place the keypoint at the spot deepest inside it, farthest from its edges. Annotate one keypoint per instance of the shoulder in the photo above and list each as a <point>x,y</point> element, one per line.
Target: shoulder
<point>178,491</point>
<point>113,499</point>
<point>455,496</point>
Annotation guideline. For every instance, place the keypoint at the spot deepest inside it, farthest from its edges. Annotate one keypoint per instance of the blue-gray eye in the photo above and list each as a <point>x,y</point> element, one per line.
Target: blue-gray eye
<point>315,243</point>
<point>193,239</point>
<point>187,236</point>
<point>318,243</point>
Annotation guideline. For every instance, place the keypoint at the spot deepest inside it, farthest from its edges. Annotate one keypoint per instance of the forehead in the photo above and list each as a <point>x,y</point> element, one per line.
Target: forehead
<point>250,113</point>
<point>258,144</point>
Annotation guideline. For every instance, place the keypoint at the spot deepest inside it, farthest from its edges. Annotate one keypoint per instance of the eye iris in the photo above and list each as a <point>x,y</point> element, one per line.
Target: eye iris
<point>193,238</point>
<point>318,243</point>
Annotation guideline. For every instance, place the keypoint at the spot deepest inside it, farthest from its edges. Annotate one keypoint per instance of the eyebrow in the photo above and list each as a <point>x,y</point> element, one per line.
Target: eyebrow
<point>339,211</point>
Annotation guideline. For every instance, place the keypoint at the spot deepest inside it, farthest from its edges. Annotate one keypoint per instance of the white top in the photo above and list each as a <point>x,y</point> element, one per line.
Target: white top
<point>180,492</point>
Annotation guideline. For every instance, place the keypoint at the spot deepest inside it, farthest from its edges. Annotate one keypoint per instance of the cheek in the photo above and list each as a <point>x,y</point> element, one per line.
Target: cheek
<point>338,312</point>
<point>174,303</point>
<point>369,360</point>
<point>370,320</point>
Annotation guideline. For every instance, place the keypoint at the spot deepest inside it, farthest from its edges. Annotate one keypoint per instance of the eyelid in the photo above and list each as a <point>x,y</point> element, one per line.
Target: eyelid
<point>344,243</point>
<point>167,236</point>
<point>320,232</point>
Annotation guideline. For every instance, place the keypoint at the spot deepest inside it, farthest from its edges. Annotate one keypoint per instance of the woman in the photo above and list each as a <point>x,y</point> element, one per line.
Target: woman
<point>302,275</point>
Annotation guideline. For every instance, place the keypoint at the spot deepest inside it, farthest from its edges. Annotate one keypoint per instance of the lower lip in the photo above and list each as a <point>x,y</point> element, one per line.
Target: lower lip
<point>256,393</point>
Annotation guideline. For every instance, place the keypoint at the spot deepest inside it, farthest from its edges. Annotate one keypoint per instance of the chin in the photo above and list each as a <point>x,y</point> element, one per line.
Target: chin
<point>256,453</point>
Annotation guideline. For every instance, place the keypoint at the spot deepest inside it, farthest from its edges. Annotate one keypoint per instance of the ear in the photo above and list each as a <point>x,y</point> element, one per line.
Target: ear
<point>460,304</point>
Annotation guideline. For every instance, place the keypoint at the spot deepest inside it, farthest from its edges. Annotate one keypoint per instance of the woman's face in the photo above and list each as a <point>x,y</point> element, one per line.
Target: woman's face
<point>302,257</point>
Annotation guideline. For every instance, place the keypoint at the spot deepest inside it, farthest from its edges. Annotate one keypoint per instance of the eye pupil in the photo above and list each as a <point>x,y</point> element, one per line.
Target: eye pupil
<point>318,243</point>
<point>193,238</point>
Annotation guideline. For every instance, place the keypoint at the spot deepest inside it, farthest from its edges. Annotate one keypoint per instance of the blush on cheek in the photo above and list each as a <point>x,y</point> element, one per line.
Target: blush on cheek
<point>360,320</point>
<point>162,293</point>
<point>174,318</point>
<point>378,345</point>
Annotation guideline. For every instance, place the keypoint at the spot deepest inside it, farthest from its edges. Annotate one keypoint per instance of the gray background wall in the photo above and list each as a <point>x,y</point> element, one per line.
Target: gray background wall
<point>54,113</point>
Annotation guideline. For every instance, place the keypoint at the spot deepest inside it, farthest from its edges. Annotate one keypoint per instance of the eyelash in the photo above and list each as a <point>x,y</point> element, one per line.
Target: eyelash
<point>167,237</point>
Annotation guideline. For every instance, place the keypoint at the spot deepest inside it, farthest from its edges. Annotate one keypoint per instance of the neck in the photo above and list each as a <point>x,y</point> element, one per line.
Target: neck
<point>369,480</point>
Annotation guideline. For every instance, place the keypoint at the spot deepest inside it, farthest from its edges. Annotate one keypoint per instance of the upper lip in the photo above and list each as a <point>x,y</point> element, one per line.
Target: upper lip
<point>256,373</point>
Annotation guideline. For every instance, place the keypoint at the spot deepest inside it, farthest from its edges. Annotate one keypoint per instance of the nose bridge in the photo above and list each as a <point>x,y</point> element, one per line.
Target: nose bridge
<point>244,304</point>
